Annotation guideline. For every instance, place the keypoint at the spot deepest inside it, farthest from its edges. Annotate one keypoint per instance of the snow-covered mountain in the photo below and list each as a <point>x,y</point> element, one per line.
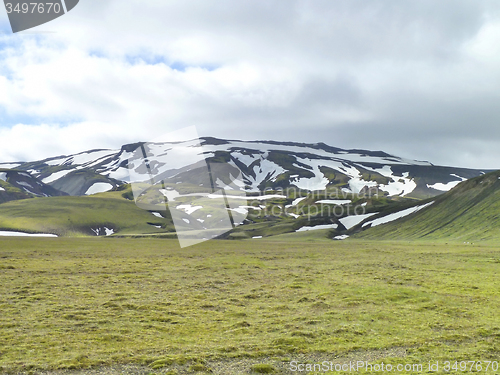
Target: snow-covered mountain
<point>16,184</point>
<point>263,165</point>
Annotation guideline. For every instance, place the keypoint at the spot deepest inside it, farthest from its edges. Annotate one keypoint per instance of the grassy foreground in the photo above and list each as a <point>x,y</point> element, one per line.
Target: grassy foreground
<point>80,302</point>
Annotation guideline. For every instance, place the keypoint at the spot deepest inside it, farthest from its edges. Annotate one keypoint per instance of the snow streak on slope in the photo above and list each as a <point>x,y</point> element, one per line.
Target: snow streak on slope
<point>264,164</point>
<point>56,176</point>
<point>317,227</point>
<point>22,234</point>
<point>262,169</point>
<point>396,215</point>
<point>352,155</point>
<point>350,221</point>
<point>448,186</point>
<point>400,185</point>
<point>81,158</point>
<point>318,182</point>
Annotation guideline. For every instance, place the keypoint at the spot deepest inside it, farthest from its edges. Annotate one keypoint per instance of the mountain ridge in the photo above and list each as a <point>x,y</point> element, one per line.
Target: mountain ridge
<point>265,165</point>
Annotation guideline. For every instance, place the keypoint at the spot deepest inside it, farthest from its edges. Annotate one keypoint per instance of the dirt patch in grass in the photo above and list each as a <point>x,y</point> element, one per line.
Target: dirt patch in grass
<point>264,365</point>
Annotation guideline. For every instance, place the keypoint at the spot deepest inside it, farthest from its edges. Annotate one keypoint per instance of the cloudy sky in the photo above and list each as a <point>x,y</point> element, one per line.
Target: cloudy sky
<point>418,79</point>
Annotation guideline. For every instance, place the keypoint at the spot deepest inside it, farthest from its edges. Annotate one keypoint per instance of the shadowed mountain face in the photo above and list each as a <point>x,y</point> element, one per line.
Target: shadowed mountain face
<point>264,165</point>
<point>469,212</point>
<point>17,184</point>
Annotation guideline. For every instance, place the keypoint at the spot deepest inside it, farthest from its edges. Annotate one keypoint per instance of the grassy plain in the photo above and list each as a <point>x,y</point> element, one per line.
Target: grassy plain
<point>82,302</point>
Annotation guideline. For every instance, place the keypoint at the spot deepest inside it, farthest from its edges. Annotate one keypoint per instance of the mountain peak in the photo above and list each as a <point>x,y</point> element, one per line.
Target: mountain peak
<point>263,164</point>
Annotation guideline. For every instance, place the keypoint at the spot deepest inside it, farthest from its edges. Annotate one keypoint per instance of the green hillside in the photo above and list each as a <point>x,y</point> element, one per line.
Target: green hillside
<point>81,216</point>
<point>470,212</point>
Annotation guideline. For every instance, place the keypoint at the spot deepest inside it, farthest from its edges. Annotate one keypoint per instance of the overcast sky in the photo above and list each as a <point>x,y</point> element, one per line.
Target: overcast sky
<point>418,79</point>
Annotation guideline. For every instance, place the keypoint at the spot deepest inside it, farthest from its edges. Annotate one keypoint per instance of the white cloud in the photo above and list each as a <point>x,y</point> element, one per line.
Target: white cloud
<point>402,76</point>
<point>34,142</point>
<point>484,47</point>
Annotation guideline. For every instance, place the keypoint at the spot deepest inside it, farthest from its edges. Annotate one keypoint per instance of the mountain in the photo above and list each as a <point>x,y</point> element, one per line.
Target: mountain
<point>469,212</point>
<point>18,184</point>
<point>264,165</point>
<point>281,188</point>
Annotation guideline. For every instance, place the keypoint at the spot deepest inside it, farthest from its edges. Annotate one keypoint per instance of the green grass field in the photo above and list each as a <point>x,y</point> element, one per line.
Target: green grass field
<point>82,302</point>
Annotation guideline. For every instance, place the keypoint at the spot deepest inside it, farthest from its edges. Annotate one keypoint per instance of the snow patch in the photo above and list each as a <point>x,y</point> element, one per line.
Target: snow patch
<point>170,194</point>
<point>157,214</point>
<point>304,149</point>
<point>457,176</point>
<point>57,161</point>
<point>188,208</point>
<point>297,201</point>
<point>444,187</point>
<point>3,176</point>
<point>316,227</point>
<point>335,201</point>
<point>22,234</point>
<point>107,231</point>
<point>448,186</point>
<point>253,207</point>
<point>351,221</point>
<point>31,192</point>
<point>396,215</point>
<point>318,182</point>
<point>120,174</point>
<point>9,165</point>
<point>99,187</point>
<point>56,176</point>
<point>400,185</point>
<point>356,184</point>
<point>25,184</point>
<point>265,169</point>
<point>341,237</point>
<point>90,159</point>
<point>245,197</point>
<point>241,210</point>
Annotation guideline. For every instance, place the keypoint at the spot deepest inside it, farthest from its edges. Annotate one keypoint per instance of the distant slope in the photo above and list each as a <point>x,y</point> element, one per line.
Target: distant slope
<point>264,165</point>
<point>469,212</point>
<point>101,214</point>
<point>17,184</point>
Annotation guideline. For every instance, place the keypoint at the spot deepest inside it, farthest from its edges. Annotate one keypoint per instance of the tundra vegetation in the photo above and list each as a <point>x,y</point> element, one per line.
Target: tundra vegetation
<point>77,303</point>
